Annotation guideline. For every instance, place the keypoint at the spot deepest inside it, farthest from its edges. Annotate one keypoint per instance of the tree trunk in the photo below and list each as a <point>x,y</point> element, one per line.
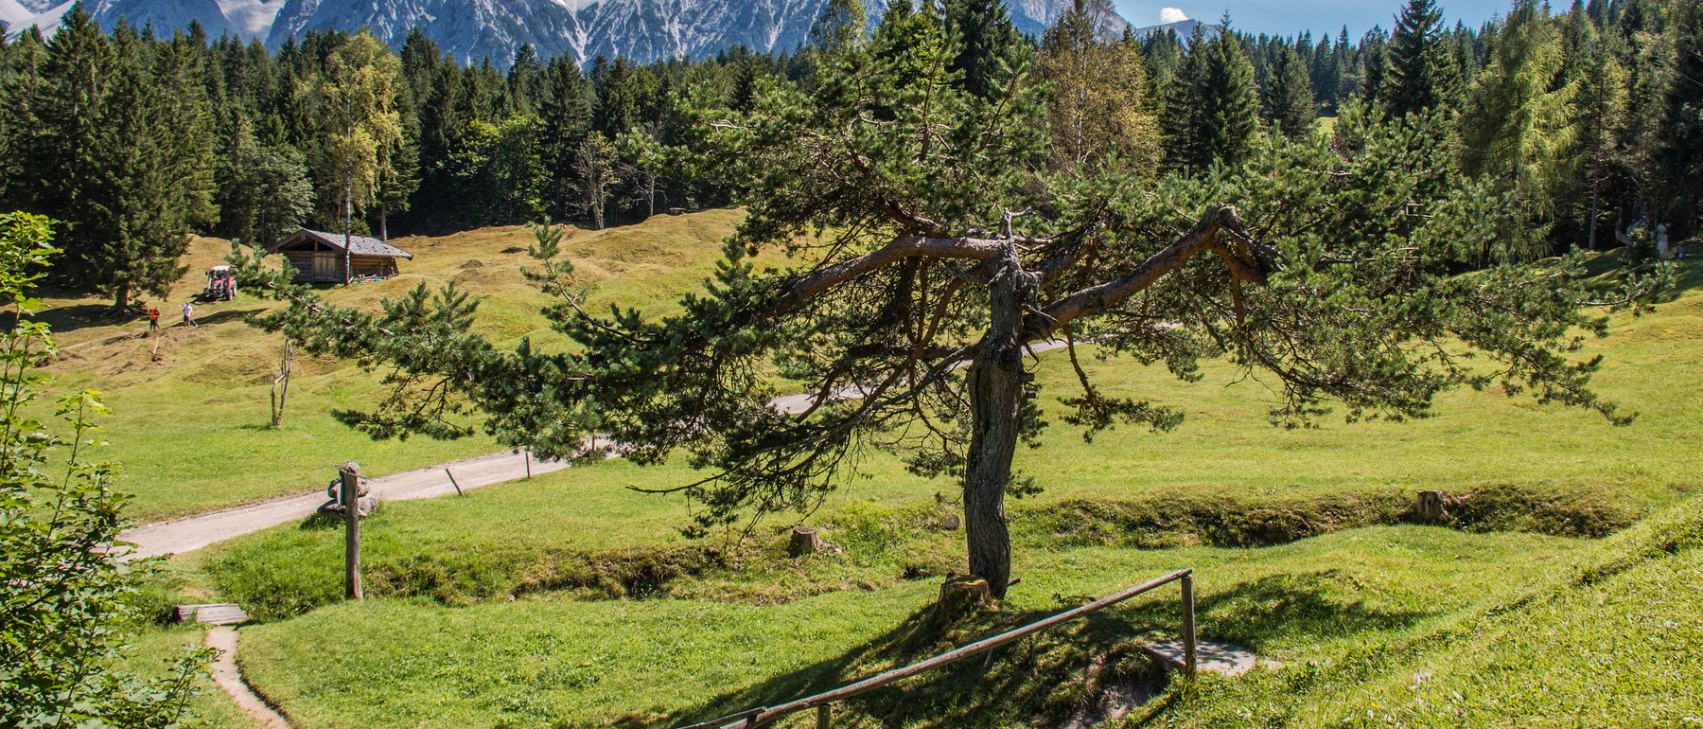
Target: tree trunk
<point>1596,204</point>
<point>597,208</point>
<point>348,231</point>
<point>121,298</point>
<point>281,383</point>
<point>996,383</point>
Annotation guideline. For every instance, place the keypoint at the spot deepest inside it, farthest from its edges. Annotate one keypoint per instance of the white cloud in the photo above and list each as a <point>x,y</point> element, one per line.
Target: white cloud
<point>1172,15</point>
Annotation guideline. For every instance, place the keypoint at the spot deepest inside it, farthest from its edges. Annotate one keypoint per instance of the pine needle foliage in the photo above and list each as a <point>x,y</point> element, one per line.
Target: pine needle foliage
<point>928,255</point>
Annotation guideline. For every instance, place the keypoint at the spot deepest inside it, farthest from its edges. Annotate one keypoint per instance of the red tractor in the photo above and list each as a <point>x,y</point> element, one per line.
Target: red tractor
<point>221,285</point>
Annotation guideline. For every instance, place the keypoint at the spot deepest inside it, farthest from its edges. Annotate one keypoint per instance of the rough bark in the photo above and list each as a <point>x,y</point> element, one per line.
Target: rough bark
<point>996,384</point>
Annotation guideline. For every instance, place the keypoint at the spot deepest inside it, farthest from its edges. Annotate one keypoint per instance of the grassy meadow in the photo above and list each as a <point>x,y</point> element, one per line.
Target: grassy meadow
<point>192,426</point>
<point>1564,594</point>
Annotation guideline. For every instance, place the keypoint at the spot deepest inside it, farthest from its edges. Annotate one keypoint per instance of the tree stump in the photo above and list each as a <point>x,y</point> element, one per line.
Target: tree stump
<point>805,541</point>
<point>963,595</point>
<point>1430,507</point>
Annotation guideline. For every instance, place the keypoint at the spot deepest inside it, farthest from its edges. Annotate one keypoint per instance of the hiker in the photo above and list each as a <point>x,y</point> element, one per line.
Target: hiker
<point>153,319</point>
<point>189,316</point>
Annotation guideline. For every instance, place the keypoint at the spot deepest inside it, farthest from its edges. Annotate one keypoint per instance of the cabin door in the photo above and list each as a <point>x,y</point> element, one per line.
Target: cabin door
<point>325,265</point>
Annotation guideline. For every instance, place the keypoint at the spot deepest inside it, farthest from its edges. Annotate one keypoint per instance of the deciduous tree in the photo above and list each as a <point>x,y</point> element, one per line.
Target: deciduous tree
<point>354,103</point>
<point>1097,100</point>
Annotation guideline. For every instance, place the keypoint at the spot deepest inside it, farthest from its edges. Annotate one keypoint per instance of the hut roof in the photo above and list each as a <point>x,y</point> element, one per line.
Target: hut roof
<point>359,245</point>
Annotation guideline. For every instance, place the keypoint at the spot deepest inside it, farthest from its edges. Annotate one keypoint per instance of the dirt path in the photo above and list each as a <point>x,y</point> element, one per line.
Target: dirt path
<point>229,679</point>
<point>195,532</point>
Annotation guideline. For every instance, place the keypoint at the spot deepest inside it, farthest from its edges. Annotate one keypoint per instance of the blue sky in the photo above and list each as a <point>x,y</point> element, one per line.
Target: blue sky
<point>1288,17</point>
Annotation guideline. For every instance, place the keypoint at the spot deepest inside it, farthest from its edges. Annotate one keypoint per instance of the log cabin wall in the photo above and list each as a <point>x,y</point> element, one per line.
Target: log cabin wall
<point>374,266</point>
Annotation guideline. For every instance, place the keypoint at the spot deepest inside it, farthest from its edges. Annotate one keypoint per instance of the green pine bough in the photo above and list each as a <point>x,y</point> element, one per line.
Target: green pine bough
<point>933,242</point>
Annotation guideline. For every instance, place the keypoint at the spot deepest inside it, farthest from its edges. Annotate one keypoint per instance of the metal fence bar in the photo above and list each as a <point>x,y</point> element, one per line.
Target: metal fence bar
<point>760,716</point>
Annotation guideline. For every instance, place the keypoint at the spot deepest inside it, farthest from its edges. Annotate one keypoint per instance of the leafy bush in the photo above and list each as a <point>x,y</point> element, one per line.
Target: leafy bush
<point>65,598</point>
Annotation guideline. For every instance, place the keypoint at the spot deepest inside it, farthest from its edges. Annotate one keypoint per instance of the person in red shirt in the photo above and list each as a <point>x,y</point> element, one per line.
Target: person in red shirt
<point>153,319</point>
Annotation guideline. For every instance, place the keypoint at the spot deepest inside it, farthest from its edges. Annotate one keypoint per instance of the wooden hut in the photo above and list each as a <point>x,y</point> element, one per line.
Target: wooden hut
<point>319,257</point>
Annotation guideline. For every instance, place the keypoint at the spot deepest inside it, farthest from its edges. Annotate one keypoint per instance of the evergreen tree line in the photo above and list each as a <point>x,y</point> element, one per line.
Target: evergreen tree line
<point>1590,116</point>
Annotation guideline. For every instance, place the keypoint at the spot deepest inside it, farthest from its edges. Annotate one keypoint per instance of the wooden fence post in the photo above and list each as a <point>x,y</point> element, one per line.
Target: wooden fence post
<point>351,472</point>
<point>452,482</point>
<point>824,716</point>
<point>527,454</point>
<point>1188,626</point>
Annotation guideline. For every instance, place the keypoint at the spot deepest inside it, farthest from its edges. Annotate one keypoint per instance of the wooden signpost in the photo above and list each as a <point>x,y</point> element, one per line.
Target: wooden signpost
<point>351,497</point>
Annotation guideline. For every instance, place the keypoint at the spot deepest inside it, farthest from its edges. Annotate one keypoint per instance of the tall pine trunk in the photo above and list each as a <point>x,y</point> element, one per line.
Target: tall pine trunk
<point>348,228</point>
<point>1596,210</point>
<point>996,380</point>
<point>121,298</point>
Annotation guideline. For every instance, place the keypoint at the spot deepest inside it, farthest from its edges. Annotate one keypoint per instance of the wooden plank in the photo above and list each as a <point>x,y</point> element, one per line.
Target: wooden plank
<point>212,614</point>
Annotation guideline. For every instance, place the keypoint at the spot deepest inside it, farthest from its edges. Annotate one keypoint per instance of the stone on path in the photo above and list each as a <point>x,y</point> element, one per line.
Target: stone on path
<point>1220,658</point>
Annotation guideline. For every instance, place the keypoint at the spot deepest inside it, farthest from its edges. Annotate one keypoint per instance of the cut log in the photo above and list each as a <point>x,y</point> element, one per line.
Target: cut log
<point>963,595</point>
<point>1429,507</point>
<point>805,541</point>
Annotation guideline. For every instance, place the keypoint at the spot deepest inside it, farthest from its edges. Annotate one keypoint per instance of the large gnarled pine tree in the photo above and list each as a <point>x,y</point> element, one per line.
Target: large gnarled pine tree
<point>932,247</point>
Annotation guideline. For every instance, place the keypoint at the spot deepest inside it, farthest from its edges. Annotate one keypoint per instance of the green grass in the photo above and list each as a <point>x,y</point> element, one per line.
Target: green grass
<point>1420,626</point>
<point>191,428</point>
<point>563,662</point>
<point>572,601</point>
<point>152,655</point>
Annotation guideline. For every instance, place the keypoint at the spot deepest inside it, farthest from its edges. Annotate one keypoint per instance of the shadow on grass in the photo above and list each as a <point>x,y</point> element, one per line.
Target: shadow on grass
<point>1056,677</point>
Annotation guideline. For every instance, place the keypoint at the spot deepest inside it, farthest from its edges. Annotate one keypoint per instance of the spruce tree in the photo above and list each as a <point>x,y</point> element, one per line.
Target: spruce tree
<point>1421,69</point>
<point>1373,63</point>
<point>22,88</point>
<point>1289,98</point>
<point>155,169</point>
<point>990,50</point>
<point>1600,123</point>
<point>271,196</point>
<point>1212,111</point>
<point>566,112</point>
<point>62,165</point>
<point>526,77</point>
<point>1679,139</point>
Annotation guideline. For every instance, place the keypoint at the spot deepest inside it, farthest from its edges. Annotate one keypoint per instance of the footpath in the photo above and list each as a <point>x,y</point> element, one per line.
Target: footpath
<point>192,533</point>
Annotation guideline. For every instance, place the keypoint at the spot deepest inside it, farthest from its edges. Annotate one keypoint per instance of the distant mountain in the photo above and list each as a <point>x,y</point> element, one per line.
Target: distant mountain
<point>642,30</point>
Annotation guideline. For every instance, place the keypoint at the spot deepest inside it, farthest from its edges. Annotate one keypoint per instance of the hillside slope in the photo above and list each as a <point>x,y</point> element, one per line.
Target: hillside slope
<point>192,408</point>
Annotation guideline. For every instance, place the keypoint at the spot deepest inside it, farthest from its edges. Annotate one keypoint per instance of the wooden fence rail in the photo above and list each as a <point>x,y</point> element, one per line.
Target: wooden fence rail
<point>764,715</point>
